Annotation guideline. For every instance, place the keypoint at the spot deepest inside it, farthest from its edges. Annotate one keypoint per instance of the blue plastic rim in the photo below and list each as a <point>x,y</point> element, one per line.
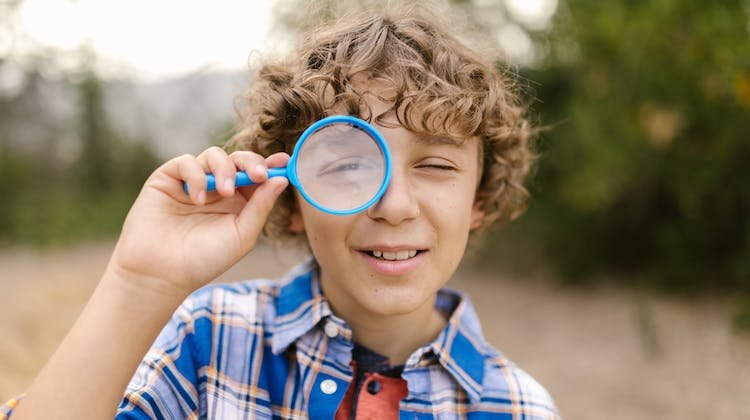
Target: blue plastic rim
<point>364,126</point>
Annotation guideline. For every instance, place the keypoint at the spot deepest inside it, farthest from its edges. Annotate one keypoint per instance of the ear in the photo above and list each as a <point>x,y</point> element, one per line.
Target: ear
<point>477,216</point>
<point>296,223</point>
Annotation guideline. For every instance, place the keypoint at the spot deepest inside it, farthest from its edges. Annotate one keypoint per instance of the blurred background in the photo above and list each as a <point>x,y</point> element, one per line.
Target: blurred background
<point>634,253</point>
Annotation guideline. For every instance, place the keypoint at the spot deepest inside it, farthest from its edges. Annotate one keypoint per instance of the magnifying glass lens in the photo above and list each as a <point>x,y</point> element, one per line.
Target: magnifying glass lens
<point>341,167</point>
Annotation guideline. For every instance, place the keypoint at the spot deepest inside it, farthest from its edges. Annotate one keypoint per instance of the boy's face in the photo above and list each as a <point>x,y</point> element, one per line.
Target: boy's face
<point>428,208</point>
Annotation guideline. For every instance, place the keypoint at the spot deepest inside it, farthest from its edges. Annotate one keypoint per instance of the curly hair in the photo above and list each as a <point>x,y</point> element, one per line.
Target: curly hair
<point>439,86</point>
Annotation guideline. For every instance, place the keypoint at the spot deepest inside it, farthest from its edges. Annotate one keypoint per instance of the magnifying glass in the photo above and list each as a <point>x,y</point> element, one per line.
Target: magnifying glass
<point>340,165</point>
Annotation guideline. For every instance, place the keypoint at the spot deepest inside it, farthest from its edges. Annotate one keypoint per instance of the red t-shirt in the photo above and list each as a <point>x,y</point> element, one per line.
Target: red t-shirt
<point>375,391</point>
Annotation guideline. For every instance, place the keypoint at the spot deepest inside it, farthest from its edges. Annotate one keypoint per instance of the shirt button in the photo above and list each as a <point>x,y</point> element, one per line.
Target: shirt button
<point>331,330</point>
<point>328,386</point>
<point>374,386</point>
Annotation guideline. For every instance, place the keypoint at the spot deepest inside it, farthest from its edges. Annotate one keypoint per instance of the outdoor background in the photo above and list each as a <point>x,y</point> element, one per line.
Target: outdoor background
<point>625,289</point>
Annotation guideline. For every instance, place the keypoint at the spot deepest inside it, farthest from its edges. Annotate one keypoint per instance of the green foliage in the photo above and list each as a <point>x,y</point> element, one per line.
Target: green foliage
<point>15,170</point>
<point>741,317</point>
<point>88,198</point>
<point>644,169</point>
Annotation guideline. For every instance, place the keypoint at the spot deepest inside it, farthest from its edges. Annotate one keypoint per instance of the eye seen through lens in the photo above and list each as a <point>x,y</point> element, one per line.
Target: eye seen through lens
<point>340,167</point>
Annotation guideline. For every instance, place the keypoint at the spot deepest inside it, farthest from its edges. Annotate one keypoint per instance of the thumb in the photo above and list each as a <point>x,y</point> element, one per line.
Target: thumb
<point>253,216</point>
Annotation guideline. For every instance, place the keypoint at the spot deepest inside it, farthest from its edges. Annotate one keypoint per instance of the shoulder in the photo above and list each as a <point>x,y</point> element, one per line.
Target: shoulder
<point>506,383</point>
<point>247,307</point>
<point>494,383</point>
<point>243,307</point>
<point>247,299</point>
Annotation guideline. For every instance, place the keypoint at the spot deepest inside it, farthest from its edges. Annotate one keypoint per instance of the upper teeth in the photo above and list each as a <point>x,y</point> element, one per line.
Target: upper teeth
<point>398,255</point>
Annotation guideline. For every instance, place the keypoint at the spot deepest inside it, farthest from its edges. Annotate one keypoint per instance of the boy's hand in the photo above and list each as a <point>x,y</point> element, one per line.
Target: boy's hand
<point>176,243</point>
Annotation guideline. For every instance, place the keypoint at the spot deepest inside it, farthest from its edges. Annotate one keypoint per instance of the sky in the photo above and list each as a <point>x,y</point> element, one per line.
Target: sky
<point>153,38</point>
<point>158,39</point>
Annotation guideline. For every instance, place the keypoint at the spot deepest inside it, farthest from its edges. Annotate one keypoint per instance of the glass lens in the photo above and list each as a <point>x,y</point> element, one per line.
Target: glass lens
<point>340,167</point>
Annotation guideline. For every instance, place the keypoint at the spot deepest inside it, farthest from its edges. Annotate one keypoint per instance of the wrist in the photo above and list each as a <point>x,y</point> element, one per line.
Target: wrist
<point>143,290</point>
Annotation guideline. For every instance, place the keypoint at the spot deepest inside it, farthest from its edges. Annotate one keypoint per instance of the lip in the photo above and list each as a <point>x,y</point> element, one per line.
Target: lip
<point>396,267</point>
<point>390,248</point>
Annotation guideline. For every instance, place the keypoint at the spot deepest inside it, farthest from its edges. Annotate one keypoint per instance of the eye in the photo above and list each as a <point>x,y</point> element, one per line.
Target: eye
<point>343,167</point>
<point>441,167</point>
<point>346,165</point>
<point>437,164</point>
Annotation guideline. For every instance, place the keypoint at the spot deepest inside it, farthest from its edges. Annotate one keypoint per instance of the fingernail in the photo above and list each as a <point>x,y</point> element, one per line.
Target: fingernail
<point>280,185</point>
<point>201,197</point>
<point>228,184</point>
<point>260,169</point>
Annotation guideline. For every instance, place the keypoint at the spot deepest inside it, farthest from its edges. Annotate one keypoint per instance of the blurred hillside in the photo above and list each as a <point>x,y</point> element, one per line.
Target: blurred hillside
<point>171,117</point>
<point>74,151</point>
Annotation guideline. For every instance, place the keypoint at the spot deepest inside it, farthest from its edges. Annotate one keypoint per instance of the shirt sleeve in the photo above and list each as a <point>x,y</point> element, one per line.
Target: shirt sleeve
<point>7,409</point>
<point>165,384</point>
<point>537,404</point>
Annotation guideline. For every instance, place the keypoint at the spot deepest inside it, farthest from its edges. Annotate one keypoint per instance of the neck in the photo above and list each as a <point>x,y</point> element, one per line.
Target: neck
<point>397,336</point>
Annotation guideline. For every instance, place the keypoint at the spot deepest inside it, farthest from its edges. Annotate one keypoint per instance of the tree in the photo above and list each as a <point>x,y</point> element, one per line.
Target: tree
<point>644,169</point>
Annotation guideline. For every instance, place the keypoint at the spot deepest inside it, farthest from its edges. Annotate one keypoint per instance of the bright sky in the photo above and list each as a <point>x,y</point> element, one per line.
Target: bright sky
<point>156,38</point>
<point>534,14</point>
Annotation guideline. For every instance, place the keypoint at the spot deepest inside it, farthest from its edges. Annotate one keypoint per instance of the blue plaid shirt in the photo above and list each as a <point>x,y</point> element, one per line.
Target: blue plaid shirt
<point>268,349</point>
<point>274,349</point>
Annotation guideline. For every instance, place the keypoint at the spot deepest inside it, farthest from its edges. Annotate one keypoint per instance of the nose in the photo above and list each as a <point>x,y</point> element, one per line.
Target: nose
<point>398,204</point>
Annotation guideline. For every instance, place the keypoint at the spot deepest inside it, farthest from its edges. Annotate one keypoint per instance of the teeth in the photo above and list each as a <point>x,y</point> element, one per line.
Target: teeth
<point>395,256</point>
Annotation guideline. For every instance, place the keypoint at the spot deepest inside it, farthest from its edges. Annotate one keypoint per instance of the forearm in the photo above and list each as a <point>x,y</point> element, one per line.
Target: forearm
<point>87,375</point>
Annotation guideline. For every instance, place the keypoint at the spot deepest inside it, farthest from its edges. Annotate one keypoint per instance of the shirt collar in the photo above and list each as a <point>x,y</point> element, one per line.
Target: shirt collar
<point>300,305</point>
<point>460,347</point>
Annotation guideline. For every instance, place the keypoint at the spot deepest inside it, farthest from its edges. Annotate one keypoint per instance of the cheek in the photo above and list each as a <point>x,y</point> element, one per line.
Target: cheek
<point>324,231</point>
<point>452,205</point>
<point>449,217</point>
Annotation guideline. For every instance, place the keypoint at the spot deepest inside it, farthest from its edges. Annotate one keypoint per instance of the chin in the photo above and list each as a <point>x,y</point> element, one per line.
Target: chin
<point>392,304</point>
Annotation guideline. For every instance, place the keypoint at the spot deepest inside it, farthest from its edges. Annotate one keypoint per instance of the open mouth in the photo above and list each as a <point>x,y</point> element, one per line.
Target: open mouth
<point>395,255</point>
<point>394,263</point>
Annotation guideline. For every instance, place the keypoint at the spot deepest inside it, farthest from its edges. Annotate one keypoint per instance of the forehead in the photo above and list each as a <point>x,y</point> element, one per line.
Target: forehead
<point>422,140</point>
<point>378,94</point>
<point>379,98</point>
<point>441,140</point>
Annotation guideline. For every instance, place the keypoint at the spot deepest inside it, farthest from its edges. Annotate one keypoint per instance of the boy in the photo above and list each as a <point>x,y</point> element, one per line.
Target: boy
<point>363,329</point>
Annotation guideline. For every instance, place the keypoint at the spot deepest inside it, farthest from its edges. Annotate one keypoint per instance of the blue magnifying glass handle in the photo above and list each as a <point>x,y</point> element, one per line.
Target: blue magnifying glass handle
<point>346,166</point>
<point>241,179</point>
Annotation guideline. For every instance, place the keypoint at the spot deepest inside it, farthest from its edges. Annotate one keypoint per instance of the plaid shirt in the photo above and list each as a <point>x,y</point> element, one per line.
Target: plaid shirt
<point>270,349</point>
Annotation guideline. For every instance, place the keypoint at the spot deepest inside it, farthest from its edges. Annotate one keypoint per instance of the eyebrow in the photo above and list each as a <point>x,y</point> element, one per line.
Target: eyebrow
<point>440,140</point>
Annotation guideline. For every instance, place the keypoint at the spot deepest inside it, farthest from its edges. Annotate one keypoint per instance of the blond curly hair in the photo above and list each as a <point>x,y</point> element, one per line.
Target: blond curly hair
<point>439,86</point>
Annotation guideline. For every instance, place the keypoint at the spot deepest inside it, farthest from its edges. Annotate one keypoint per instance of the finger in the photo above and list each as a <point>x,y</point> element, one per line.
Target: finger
<point>252,163</point>
<point>186,169</point>
<point>215,160</point>
<point>253,216</point>
<point>277,160</point>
